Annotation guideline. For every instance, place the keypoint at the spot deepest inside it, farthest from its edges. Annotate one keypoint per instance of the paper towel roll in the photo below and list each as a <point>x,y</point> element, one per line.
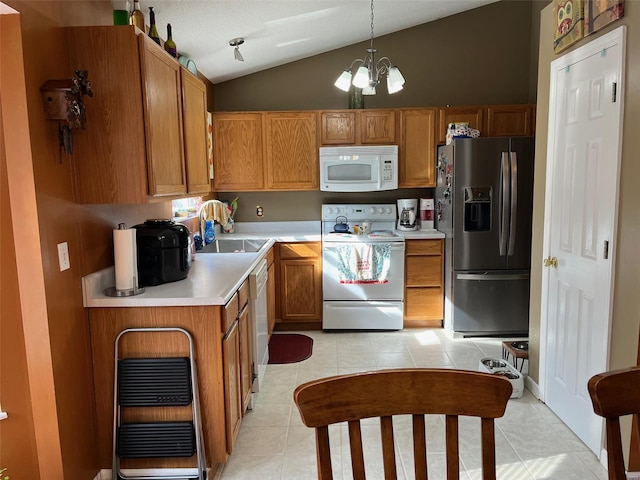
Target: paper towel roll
<point>126,258</point>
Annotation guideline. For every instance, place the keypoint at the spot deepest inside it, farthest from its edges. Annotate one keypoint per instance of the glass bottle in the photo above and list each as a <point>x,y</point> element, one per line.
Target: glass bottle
<point>153,31</point>
<point>169,44</point>
<point>137,17</point>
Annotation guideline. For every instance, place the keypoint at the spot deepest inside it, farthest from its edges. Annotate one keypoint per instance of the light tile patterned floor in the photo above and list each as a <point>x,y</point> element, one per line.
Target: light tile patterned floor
<point>273,444</point>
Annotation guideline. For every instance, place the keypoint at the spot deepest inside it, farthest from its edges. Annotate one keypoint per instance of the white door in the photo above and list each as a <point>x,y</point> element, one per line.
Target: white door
<point>580,225</point>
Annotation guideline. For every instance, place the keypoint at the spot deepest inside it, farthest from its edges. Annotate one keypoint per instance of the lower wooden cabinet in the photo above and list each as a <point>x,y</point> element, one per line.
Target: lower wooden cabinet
<point>232,385</point>
<point>300,283</point>
<point>424,288</point>
<point>205,325</point>
<point>237,361</point>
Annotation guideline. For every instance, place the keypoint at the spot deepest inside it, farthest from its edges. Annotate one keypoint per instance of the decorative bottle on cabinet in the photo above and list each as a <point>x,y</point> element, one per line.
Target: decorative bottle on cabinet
<point>169,44</point>
<point>153,31</point>
<point>137,17</point>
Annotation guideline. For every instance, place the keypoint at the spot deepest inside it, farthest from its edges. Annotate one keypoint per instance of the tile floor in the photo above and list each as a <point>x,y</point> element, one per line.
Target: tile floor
<point>273,444</point>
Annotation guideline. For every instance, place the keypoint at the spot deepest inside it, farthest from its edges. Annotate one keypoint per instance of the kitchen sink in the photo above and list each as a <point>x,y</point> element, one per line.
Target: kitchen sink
<point>230,245</point>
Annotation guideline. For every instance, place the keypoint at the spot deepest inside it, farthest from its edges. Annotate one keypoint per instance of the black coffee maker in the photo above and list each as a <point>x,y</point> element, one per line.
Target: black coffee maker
<point>164,253</point>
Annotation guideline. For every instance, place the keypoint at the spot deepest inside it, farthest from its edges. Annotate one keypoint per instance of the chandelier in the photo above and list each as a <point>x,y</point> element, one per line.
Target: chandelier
<point>368,74</point>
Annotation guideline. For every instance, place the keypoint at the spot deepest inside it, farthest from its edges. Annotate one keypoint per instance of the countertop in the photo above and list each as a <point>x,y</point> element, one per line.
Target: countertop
<point>214,277</point>
<point>421,234</point>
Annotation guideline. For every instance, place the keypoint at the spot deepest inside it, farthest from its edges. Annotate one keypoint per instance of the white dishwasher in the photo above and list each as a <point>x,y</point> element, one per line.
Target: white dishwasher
<point>259,322</point>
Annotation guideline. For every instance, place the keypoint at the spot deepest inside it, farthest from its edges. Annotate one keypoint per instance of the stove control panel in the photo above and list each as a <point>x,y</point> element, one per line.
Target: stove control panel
<point>359,212</point>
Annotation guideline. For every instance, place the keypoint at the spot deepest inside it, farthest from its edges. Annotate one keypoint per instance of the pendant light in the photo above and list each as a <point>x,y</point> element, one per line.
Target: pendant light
<point>369,71</point>
<point>236,42</point>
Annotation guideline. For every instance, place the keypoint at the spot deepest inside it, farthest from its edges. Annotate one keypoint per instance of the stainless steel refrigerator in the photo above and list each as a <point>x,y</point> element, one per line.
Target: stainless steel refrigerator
<point>484,202</point>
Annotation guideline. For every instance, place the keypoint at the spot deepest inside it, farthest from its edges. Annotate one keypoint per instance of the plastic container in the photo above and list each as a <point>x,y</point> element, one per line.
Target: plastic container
<point>209,233</point>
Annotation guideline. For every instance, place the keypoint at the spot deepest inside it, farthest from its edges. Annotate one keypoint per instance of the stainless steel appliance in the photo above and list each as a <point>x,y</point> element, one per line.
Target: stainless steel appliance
<point>259,322</point>
<point>407,214</point>
<point>364,168</point>
<point>362,274</point>
<point>484,201</point>
<point>164,251</point>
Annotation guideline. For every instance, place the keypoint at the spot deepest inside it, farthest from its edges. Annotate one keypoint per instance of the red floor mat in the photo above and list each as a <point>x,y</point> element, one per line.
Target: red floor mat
<point>289,348</point>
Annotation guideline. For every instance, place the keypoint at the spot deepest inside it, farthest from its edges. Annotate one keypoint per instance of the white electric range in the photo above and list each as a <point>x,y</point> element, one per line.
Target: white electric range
<point>362,274</point>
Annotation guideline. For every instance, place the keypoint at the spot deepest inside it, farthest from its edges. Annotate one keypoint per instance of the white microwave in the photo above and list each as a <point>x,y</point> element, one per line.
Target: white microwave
<point>359,168</point>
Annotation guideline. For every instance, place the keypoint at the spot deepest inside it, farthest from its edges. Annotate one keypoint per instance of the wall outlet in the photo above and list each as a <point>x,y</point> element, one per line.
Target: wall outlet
<point>63,256</point>
<point>259,211</point>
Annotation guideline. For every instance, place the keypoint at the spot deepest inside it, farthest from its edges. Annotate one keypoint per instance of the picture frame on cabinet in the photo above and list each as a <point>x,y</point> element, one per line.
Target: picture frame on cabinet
<point>568,20</point>
<point>599,13</point>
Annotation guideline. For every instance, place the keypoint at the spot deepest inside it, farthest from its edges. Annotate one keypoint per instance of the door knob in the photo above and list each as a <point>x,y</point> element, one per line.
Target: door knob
<point>551,262</point>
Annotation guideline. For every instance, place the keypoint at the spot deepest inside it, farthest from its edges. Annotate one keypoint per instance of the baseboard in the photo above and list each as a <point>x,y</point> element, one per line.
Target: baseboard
<point>532,387</point>
<point>633,475</point>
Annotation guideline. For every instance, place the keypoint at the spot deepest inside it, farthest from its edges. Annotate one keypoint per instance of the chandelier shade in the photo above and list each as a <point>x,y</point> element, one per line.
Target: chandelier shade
<point>369,72</point>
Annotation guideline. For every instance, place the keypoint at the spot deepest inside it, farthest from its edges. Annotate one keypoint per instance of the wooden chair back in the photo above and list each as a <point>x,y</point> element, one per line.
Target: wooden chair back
<point>414,391</point>
<point>615,394</point>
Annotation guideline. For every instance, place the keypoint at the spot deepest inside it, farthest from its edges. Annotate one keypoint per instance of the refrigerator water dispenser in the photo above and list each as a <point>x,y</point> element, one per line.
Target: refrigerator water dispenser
<point>477,209</point>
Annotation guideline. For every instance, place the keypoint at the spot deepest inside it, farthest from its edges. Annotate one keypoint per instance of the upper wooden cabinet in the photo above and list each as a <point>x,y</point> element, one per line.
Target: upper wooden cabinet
<point>509,121</point>
<point>194,101</point>
<point>265,151</point>
<point>357,127</point>
<point>237,152</point>
<point>471,115</point>
<point>417,148</point>
<point>377,126</point>
<point>492,121</point>
<point>338,128</point>
<point>291,147</point>
<point>134,143</point>
<point>163,120</point>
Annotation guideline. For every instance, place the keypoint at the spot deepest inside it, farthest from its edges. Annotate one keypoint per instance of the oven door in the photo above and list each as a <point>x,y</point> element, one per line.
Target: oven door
<point>334,286</point>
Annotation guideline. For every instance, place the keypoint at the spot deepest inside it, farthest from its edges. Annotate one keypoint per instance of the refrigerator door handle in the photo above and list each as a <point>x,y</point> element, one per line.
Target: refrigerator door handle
<point>492,277</point>
<point>514,202</point>
<point>504,203</point>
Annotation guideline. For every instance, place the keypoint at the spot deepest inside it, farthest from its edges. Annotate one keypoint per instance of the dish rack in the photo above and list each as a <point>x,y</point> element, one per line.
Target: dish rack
<point>503,368</point>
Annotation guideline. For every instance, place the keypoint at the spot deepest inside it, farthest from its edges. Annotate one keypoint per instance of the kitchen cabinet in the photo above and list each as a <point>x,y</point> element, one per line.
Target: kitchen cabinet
<point>204,323</point>
<point>291,147</point>
<point>417,150</point>
<point>237,152</point>
<point>509,120</point>
<point>246,350</point>
<point>300,283</point>
<point>194,101</point>
<point>471,115</point>
<point>237,360</point>
<point>377,126</point>
<point>134,146</point>
<point>271,291</point>
<point>337,127</point>
<point>492,120</point>
<point>424,287</point>
<point>265,151</point>
<point>357,127</point>
<point>232,394</point>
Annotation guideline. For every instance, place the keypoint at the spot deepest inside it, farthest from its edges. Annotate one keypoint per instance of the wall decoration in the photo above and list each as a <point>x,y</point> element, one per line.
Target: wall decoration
<point>598,13</point>
<point>569,23</point>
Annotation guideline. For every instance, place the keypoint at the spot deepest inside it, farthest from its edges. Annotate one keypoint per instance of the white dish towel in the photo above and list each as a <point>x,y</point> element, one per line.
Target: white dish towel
<point>364,262</point>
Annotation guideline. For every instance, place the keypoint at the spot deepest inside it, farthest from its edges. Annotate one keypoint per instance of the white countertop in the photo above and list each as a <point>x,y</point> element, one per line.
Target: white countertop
<point>420,234</point>
<point>213,277</point>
